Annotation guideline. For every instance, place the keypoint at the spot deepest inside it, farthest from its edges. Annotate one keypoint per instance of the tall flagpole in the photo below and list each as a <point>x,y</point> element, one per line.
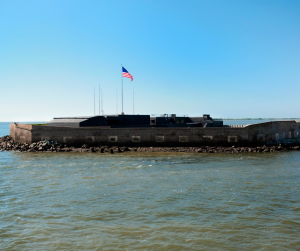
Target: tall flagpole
<point>122,88</point>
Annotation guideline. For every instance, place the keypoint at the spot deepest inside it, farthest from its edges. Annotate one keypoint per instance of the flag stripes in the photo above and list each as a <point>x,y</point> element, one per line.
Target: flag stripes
<point>126,74</point>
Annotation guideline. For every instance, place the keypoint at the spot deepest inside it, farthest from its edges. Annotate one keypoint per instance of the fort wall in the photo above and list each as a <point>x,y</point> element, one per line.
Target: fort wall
<point>255,134</point>
<point>21,133</point>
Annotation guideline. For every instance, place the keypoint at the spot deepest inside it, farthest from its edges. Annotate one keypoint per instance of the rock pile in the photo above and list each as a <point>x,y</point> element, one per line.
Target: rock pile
<point>218,149</point>
<point>8,144</point>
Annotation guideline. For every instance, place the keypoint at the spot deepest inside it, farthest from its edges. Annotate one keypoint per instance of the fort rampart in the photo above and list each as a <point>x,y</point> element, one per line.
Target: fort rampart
<point>256,134</point>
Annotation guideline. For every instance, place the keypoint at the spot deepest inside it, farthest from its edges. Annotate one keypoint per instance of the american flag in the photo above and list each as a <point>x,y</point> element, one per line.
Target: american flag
<point>126,74</point>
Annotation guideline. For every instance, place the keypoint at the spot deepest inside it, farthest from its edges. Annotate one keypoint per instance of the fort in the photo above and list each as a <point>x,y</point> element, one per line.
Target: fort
<point>157,131</point>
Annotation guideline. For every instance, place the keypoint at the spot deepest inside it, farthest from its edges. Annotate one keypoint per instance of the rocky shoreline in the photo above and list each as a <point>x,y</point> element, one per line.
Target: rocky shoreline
<point>8,144</point>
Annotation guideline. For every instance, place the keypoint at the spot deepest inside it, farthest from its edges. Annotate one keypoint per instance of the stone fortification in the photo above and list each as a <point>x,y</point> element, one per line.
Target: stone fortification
<point>251,135</point>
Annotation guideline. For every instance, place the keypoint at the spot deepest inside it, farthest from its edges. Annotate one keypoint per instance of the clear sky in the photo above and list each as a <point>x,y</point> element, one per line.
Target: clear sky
<point>226,58</point>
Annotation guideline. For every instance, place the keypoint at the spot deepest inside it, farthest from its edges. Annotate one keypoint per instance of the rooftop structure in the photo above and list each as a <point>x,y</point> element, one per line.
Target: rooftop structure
<point>118,121</point>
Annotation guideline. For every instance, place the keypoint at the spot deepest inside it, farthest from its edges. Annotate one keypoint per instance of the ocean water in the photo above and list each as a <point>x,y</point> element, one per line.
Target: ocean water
<point>149,201</point>
<point>4,128</point>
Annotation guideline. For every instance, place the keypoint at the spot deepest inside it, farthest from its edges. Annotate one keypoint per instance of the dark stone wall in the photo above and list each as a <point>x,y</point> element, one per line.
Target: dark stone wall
<point>128,120</point>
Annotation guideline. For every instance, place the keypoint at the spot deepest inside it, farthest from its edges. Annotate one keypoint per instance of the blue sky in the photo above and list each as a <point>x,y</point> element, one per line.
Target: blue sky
<point>227,58</point>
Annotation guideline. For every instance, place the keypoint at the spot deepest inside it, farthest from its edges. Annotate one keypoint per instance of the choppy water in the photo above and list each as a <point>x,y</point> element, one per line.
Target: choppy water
<point>149,201</point>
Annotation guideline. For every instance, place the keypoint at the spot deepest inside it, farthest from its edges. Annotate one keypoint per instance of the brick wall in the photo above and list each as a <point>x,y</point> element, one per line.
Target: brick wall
<point>182,136</point>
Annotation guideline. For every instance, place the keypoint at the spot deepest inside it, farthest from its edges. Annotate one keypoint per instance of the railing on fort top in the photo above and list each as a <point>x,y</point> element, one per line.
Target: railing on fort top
<point>168,115</point>
<point>177,115</point>
<point>236,126</point>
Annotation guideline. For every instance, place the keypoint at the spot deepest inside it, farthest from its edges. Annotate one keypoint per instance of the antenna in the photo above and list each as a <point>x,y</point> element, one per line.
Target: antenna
<point>102,101</point>
<point>99,100</point>
<point>133,101</point>
<point>94,102</point>
<point>117,100</point>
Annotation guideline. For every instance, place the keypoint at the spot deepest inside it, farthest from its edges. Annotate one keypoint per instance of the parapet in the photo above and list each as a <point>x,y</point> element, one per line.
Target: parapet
<point>78,121</point>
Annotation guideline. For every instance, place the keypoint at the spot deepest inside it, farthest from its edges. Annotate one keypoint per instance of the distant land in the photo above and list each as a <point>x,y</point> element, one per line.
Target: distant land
<point>43,122</point>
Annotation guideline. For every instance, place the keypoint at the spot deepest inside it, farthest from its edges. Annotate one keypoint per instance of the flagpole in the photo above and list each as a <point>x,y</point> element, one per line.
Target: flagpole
<point>122,88</point>
<point>94,102</point>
